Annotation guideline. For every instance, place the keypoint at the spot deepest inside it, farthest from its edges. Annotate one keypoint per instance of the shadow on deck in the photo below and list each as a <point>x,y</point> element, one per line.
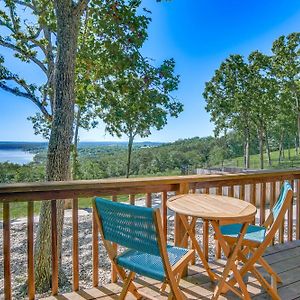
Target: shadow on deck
<point>284,259</point>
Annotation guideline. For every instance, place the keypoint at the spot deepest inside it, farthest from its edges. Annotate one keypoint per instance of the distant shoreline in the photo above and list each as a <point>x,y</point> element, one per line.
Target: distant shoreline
<point>16,156</point>
<point>22,144</point>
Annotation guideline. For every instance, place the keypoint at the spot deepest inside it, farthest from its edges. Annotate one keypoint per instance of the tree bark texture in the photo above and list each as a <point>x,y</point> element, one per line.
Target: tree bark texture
<point>58,156</point>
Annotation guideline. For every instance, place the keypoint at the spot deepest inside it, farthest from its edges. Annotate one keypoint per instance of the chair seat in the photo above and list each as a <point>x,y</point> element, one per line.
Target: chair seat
<point>147,264</point>
<point>254,233</point>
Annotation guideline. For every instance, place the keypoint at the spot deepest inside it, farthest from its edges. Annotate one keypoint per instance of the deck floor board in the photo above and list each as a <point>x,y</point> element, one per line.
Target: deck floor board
<point>285,259</point>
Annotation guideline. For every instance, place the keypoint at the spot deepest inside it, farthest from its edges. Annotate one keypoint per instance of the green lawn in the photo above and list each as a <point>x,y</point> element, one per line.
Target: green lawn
<point>19,209</point>
<point>294,161</point>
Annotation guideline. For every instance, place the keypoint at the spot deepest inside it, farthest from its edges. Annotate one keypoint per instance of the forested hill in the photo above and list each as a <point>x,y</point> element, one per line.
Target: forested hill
<point>109,159</point>
<point>170,158</point>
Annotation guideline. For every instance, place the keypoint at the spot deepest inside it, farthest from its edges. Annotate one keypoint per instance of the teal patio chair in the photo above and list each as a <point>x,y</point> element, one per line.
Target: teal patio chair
<point>258,238</point>
<point>139,230</point>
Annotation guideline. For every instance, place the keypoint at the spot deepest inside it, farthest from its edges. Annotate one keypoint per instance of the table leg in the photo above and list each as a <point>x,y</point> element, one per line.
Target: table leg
<point>230,265</point>
<point>189,229</point>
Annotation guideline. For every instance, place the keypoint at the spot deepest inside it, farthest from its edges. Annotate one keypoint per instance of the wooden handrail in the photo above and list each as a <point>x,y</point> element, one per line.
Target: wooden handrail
<point>230,184</point>
<point>38,191</point>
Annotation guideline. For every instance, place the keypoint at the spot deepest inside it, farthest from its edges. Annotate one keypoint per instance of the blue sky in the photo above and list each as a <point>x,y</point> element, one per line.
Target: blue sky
<point>199,34</point>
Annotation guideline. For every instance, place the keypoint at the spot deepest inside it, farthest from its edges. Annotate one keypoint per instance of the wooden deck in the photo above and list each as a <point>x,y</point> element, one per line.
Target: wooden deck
<point>284,258</point>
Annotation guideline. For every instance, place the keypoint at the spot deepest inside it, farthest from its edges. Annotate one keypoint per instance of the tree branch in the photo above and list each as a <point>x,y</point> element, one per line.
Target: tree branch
<point>27,95</point>
<point>26,4</point>
<point>80,7</point>
<point>30,57</point>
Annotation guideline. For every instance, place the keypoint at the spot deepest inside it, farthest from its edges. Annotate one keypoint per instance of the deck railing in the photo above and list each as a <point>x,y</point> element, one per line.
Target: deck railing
<point>261,189</point>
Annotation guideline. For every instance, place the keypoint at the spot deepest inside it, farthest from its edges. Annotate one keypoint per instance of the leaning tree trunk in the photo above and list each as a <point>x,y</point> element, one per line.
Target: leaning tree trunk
<point>130,143</point>
<point>58,157</point>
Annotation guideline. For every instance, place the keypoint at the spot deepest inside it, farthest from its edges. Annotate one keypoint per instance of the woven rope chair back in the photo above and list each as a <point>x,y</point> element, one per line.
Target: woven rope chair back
<point>279,205</point>
<point>280,201</point>
<point>127,225</point>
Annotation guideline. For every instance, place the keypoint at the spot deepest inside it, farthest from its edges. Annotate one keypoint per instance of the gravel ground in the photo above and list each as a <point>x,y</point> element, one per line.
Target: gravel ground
<point>19,249</point>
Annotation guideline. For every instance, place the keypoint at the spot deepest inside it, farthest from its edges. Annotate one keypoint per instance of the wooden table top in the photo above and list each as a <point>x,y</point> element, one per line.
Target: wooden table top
<point>212,207</point>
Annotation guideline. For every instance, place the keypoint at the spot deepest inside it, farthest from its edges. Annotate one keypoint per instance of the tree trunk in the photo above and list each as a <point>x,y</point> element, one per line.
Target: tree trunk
<point>58,156</point>
<point>298,124</point>
<point>296,147</point>
<point>280,148</point>
<point>261,148</point>
<point>247,150</point>
<point>268,150</point>
<point>75,163</point>
<point>130,143</point>
<point>289,151</point>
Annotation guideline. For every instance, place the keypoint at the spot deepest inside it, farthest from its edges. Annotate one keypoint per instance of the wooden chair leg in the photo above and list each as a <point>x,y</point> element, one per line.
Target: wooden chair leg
<point>163,286</point>
<point>126,285</point>
<point>175,291</point>
<point>132,288</point>
<point>268,268</point>
<point>271,290</point>
<point>232,256</point>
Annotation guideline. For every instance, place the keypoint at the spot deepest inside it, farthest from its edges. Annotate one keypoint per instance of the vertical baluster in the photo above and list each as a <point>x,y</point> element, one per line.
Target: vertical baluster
<point>298,210</point>
<point>262,202</point>
<point>290,217</point>
<point>164,197</point>
<point>272,200</point>
<point>253,197</point>
<point>95,250</point>
<point>75,252</point>
<point>242,192</point>
<point>272,194</point>
<point>230,191</point>
<point>281,228</point>
<point>114,275</point>
<point>6,251</point>
<point>132,199</point>
<point>54,248</point>
<point>149,200</point>
<point>30,254</point>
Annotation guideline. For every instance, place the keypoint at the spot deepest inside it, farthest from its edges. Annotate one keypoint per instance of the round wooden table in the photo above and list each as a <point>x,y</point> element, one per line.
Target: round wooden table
<point>216,209</point>
<point>212,207</point>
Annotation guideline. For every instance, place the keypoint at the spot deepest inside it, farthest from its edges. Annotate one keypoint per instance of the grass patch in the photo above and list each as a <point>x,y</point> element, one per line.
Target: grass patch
<point>291,161</point>
<point>19,209</point>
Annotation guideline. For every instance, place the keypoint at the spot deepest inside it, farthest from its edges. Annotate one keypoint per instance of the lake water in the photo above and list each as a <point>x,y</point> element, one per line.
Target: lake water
<point>16,156</point>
